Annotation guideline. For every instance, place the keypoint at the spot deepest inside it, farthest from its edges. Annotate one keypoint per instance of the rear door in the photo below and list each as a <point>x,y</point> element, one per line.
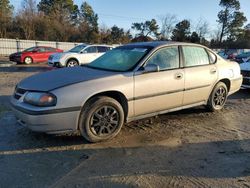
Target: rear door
<point>200,74</point>
<point>47,53</point>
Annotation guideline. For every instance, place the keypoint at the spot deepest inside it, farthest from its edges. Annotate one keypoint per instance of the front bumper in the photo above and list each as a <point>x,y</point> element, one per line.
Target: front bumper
<point>50,121</point>
<point>55,63</point>
<point>15,59</point>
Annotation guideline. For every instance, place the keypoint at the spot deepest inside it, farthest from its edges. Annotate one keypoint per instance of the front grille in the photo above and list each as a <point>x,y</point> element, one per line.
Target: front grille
<point>246,81</point>
<point>245,73</point>
<point>19,93</point>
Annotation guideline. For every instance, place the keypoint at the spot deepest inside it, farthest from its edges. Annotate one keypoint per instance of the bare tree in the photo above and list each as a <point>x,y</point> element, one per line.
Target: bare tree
<point>27,18</point>
<point>215,34</point>
<point>202,27</point>
<point>6,10</point>
<point>168,23</point>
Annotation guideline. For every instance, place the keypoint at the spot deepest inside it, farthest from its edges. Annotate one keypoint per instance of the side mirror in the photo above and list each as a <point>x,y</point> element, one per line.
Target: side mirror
<point>151,68</point>
<point>34,51</point>
<point>83,52</point>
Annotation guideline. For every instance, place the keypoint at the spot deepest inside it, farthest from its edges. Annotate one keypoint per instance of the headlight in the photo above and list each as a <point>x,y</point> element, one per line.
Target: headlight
<point>59,55</point>
<point>40,99</point>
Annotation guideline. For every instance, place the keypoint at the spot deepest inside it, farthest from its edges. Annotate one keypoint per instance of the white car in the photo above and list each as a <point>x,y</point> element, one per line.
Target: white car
<point>245,71</point>
<point>81,54</point>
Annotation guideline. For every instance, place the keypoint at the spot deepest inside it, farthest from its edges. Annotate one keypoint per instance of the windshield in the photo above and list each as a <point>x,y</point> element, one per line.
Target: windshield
<point>30,49</point>
<point>120,59</point>
<point>77,49</point>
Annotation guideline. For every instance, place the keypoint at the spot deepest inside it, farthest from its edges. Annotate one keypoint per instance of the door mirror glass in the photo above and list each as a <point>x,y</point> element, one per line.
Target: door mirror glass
<point>151,68</point>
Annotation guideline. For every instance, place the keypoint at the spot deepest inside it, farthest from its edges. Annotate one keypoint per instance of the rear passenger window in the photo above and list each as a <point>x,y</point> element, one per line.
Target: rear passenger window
<point>49,49</point>
<point>102,49</point>
<point>212,57</point>
<point>166,58</point>
<point>41,49</point>
<point>195,56</point>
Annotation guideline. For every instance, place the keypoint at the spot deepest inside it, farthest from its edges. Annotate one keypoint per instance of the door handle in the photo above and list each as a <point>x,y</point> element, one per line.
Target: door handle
<point>178,76</point>
<point>213,71</point>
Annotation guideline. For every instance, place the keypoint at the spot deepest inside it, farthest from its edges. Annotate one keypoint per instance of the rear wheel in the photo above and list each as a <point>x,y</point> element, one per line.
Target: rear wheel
<point>101,119</point>
<point>218,97</point>
<point>72,63</point>
<point>28,60</point>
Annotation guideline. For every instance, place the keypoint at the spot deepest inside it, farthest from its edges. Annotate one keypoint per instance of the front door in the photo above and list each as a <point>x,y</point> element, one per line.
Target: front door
<point>89,54</point>
<point>158,91</point>
<point>38,54</point>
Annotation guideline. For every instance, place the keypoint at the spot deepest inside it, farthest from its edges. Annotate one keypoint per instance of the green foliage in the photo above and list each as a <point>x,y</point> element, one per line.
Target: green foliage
<point>146,28</point>
<point>89,23</point>
<point>115,35</point>
<point>194,38</point>
<point>230,18</point>
<point>63,20</point>
<point>6,11</point>
<point>182,31</point>
<point>89,16</point>
<point>49,6</point>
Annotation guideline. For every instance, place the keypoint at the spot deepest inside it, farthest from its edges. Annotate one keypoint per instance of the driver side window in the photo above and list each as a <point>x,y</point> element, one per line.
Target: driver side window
<point>166,58</point>
<point>41,49</point>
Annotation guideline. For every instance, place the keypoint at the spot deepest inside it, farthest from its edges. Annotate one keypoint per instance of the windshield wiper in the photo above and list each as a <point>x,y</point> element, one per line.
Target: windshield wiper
<point>99,68</point>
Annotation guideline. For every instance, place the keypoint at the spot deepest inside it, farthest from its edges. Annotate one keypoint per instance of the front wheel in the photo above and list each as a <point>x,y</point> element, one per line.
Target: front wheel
<point>218,97</point>
<point>28,60</point>
<point>72,63</point>
<point>101,119</point>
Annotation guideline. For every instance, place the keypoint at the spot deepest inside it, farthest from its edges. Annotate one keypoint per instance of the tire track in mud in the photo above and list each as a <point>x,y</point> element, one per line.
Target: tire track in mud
<point>171,131</point>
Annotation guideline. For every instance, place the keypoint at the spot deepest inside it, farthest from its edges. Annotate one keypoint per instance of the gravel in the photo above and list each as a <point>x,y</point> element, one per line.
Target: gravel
<point>189,148</point>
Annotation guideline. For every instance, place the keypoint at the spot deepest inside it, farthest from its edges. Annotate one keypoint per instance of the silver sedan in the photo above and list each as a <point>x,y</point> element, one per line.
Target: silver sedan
<point>128,83</point>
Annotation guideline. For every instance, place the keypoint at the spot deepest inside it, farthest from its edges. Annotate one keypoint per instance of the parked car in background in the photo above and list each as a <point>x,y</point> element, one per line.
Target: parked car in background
<point>78,55</point>
<point>244,57</point>
<point>245,71</point>
<point>128,83</point>
<point>35,54</point>
<point>228,54</point>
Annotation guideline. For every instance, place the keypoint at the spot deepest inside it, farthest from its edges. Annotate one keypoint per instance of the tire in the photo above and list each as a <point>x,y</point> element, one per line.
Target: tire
<point>28,60</point>
<point>218,97</point>
<point>72,63</point>
<point>101,119</point>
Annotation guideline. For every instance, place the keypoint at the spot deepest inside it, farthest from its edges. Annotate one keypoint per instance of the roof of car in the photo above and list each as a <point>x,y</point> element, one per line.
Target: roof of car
<point>44,47</point>
<point>99,45</point>
<point>155,44</point>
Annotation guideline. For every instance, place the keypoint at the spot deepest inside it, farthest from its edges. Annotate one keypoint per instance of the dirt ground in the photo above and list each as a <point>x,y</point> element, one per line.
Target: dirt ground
<point>189,148</point>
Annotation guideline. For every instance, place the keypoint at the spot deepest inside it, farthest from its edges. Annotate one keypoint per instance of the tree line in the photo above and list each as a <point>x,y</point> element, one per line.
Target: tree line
<point>62,20</point>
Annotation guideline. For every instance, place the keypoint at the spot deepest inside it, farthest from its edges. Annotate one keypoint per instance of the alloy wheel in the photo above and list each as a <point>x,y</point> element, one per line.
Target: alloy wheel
<point>220,96</point>
<point>72,64</point>
<point>104,121</point>
<point>28,60</point>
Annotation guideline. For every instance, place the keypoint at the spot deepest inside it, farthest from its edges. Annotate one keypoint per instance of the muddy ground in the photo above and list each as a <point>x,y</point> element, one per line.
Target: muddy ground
<point>189,148</point>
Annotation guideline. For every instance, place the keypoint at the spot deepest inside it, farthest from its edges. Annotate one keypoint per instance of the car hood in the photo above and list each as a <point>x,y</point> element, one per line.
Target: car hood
<point>54,79</point>
<point>60,54</point>
<point>245,66</point>
<point>16,54</point>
